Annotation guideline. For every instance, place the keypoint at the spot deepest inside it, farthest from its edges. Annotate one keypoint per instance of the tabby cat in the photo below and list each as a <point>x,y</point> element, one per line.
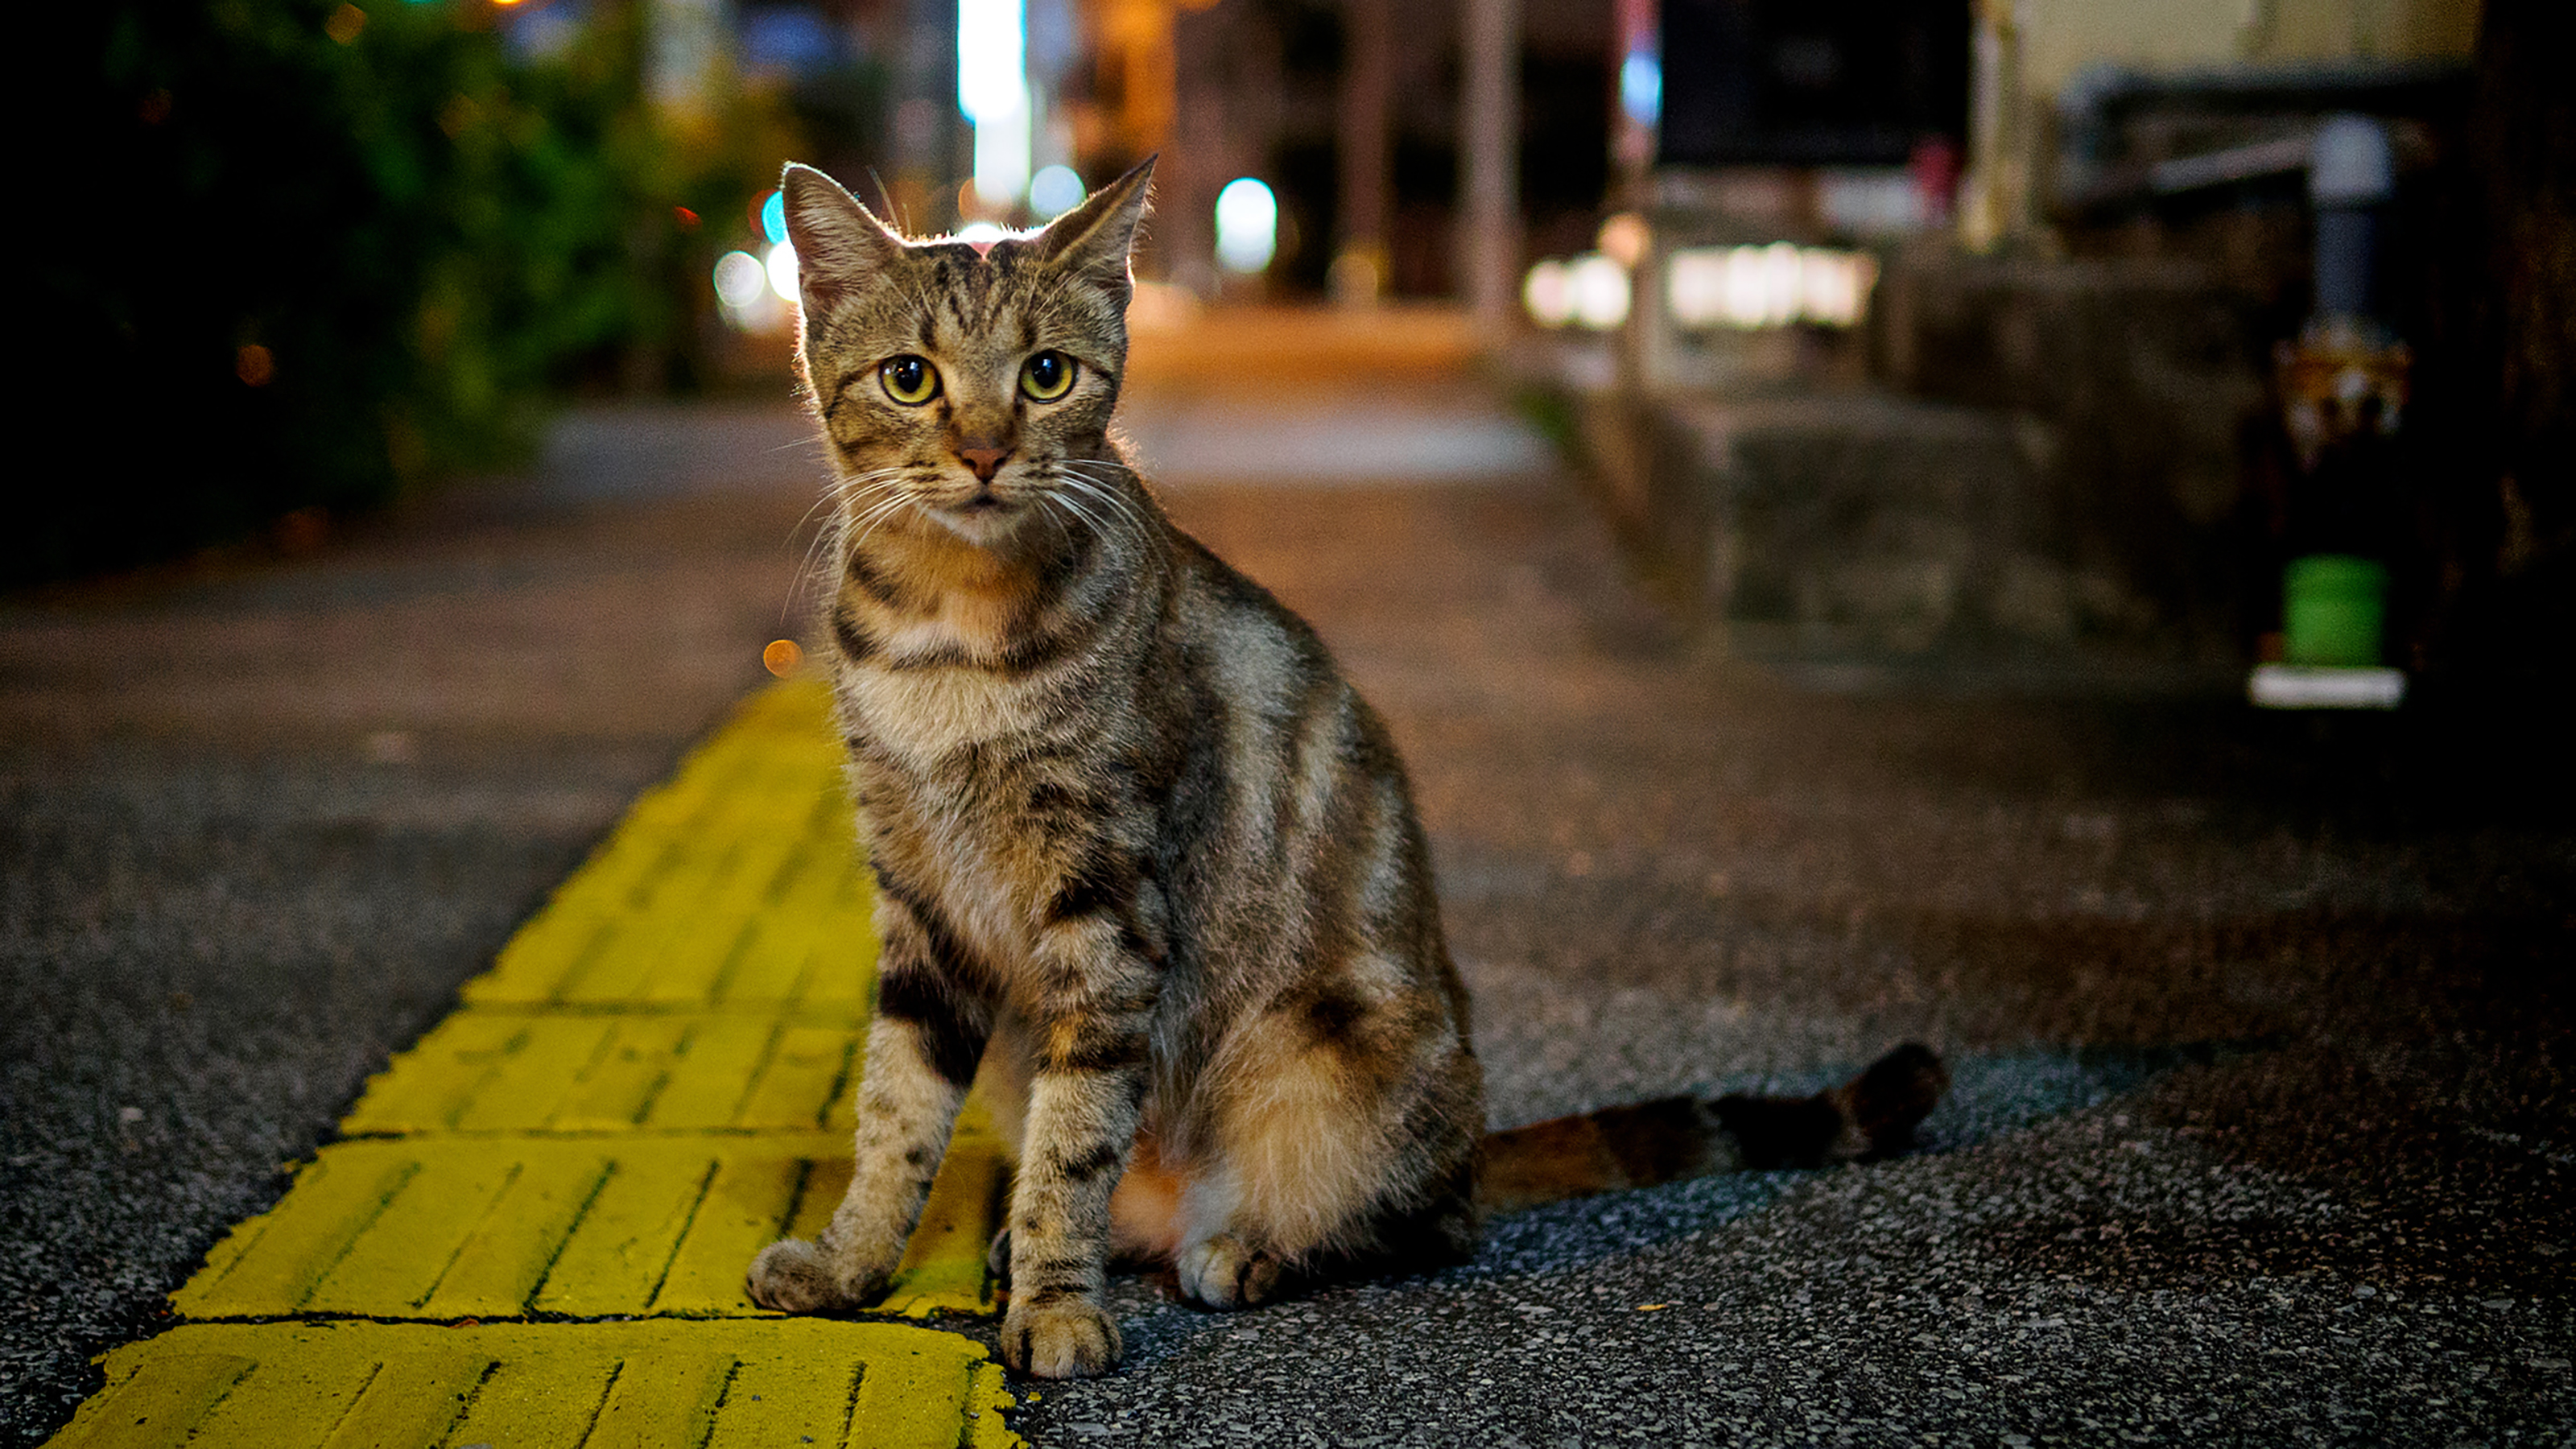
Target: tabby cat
<point>1145,861</point>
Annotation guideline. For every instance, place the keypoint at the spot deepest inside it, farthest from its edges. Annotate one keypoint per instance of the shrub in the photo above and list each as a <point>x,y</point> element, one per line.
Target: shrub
<point>324,251</point>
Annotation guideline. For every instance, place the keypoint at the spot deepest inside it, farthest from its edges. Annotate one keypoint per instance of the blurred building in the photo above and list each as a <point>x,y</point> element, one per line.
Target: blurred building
<point>2010,329</point>
<point>1904,327</point>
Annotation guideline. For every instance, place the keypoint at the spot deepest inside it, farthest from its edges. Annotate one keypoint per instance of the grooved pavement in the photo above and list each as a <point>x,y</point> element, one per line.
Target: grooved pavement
<point>536,1229</point>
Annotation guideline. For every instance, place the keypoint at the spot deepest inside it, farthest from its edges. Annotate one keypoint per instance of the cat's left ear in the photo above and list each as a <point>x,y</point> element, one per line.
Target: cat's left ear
<point>838,243</point>
<point>1096,237</point>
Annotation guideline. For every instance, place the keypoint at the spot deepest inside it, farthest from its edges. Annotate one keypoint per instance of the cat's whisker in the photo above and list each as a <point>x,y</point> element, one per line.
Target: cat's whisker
<point>842,492</point>
<point>1089,518</point>
<point>835,498</point>
<point>1066,498</point>
<point>1092,489</point>
<point>868,522</point>
<point>879,508</point>
<point>1061,530</point>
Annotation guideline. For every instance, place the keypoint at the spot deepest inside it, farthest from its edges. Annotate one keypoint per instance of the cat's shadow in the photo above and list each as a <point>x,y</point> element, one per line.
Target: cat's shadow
<point>1991,1097</point>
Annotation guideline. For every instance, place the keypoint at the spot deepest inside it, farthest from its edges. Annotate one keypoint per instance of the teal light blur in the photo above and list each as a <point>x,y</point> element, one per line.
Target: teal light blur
<point>773,218</point>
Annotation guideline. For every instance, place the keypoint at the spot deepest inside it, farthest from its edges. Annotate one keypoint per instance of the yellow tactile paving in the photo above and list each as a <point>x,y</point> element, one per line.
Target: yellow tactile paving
<point>651,1082</point>
<point>595,1385</point>
<point>448,1228</point>
<point>736,885</point>
<point>502,1071</point>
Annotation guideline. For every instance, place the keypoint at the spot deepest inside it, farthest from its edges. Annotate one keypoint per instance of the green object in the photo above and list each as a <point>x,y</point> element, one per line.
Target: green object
<point>2333,609</point>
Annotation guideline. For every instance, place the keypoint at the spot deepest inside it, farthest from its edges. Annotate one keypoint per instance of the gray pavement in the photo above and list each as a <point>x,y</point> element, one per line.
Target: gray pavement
<point>2262,1129</point>
<point>260,814</point>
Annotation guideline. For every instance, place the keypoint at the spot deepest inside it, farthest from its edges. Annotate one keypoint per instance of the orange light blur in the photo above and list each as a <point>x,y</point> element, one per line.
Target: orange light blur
<point>782,657</point>
<point>687,219</point>
<point>255,366</point>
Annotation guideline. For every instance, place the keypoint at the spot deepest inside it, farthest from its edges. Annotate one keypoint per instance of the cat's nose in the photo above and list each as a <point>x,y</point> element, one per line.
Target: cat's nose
<point>985,461</point>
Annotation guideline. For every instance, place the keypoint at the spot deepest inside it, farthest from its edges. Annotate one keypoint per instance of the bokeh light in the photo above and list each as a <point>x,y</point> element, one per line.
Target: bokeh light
<point>1768,286</point>
<point>773,218</point>
<point>1599,287</point>
<point>1624,238</point>
<point>782,271</point>
<point>739,279</point>
<point>1641,88</point>
<point>1055,190</point>
<point>1545,293</point>
<point>1247,225</point>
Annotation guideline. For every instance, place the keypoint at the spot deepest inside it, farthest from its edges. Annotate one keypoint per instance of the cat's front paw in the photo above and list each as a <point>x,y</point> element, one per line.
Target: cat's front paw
<point>795,1276</point>
<point>1069,1338</point>
<point>1223,1272</point>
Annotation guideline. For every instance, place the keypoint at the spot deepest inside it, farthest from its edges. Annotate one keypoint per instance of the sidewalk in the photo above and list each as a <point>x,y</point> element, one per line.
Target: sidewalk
<point>535,1229</point>
<point>2263,1098</point>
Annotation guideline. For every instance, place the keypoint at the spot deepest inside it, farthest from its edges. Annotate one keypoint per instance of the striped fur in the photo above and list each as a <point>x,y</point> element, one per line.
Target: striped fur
<point>1146,864</point>
<point>1144,858</point>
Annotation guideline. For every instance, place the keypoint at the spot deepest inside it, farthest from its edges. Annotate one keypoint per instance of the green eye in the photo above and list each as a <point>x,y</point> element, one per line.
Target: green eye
<point>1047,376</point>
<point>909,380</point>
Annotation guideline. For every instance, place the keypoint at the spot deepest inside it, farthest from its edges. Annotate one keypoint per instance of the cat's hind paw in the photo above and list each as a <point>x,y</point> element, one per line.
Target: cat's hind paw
<point>1068,1338</point>
<point>796,1276</point>
<point>1223,1272</point>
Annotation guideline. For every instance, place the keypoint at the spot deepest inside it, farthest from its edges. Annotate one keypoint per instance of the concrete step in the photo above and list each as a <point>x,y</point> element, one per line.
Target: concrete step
<point>1852,523</point>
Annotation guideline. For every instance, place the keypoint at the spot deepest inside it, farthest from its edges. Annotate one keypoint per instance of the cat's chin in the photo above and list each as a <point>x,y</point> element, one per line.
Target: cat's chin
<point>985,522</point>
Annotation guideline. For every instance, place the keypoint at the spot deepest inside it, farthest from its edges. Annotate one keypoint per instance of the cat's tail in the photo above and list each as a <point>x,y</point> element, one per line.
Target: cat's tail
<point>1872,1115</point>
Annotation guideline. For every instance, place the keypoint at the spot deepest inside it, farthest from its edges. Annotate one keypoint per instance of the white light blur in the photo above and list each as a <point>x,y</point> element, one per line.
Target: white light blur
<point>978,233</point>
<point>992,58</point>
<point>1547,296</point>
<point>1779,284</point>
<point>1055,190</point>
<point>993,92</point>
<point>782,271</point>
<point>740,279</point>
<point>1599,288</point>
<point>1752,287</point>
<point>1837,286</point>
<point>1002,157</point>
<point>1247,225</point>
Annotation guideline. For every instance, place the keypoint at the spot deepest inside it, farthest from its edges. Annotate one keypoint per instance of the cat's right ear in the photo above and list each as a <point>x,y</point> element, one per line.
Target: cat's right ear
<point>838,243</point>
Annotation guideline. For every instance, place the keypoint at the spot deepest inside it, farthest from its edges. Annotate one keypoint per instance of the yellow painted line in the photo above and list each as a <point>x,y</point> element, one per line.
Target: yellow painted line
<point>595,1385</point>
<point>652,1082</point>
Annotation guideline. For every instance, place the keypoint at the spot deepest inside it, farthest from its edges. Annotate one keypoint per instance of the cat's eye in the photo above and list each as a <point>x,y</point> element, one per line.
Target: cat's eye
<point>909,380</point>
<point>1047,376</point>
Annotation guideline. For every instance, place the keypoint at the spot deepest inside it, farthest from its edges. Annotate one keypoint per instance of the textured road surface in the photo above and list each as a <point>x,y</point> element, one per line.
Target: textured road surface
<point>261,814</point>
<point>2262,1129</point>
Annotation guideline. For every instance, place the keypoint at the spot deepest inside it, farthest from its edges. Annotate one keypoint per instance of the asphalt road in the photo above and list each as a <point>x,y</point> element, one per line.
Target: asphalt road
<point>2262,1129</point>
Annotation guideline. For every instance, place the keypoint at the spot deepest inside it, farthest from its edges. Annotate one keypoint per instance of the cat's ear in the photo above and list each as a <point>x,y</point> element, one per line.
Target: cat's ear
<point>1096,237</point>
<point>838,242</point>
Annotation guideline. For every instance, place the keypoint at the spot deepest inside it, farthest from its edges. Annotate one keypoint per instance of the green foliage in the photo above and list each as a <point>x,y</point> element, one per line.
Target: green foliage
<point>326,250</point>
